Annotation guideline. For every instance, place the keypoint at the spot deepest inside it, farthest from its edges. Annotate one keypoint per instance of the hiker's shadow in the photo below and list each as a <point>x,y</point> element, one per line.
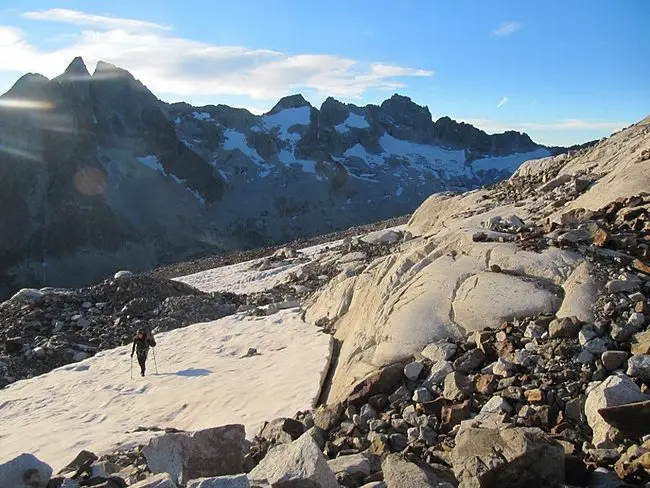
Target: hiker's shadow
<point>189,372</point>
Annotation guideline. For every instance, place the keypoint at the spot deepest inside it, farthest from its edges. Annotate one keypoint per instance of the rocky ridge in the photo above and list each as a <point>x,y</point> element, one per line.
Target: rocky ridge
<point>218,179</point>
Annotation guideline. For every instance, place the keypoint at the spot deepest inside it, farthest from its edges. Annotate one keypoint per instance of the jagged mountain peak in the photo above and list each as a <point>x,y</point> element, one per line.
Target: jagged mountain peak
<point>77,67</point>
<point>26,85</point>
<point>291,101</point>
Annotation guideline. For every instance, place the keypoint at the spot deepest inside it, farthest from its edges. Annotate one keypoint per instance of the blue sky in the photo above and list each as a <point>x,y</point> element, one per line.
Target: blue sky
<point>564,72</point>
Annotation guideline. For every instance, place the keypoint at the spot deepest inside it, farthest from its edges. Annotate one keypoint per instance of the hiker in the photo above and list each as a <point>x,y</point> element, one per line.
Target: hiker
<point>141,342</point>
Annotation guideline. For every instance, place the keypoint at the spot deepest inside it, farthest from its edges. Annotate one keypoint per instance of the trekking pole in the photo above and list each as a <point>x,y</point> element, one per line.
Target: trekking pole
<point>154,359</point>
<point>131,366</point>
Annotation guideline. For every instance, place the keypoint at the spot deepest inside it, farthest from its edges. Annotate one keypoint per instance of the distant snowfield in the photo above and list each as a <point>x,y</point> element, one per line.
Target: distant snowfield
<point>203,382</point>
<point>245,277</point>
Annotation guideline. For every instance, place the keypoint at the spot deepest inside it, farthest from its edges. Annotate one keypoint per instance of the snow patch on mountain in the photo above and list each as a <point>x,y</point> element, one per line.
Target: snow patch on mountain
<point>204,116</point>
<point>235,140</point>
<point>510,162</point>
<point>287,118</point>
<point>354,121</point>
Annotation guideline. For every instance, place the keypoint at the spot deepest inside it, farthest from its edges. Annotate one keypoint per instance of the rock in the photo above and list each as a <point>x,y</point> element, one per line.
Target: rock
<point>412,370</point>
<point>383,381</point>
<point>486,384</point>
<point>636,320</point>
<point>534,396</point>
<point>163,480</point>
<point>327,416</point>
<point>210,452</point>
<point>80,356</point>
<point>641,343</point>
<point>285,253</point>
<point>620,286</point>
<point>282,430</point>
<point>452,415</point>
<point>356,465</point>
<point>586,334</point>
<point>300,463</point>
<point>632,419</point>
<point>596,346</point>
<point>615,390</point>
<point>457,387</point>
<point>507,458</point>
<point>469,361</point>
<point>504,368</point>
<point>496,404</point>
<point>25,471</point>
<point>639,367</point>
<point>581,291</point>
<point>613,359</point>
<point>641,266</point>
<point>399,473</point>
<point>122,274</point>
<point>439,372</point>
<point>28,294</point>
<point>439,351</point>
<point>232,481</point>
<point>385,237</point>
<point>422,395</point>
<point>565,328</point>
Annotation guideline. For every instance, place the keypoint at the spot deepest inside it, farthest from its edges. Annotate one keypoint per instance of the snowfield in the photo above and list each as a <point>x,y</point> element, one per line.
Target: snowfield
<point>203,382</point>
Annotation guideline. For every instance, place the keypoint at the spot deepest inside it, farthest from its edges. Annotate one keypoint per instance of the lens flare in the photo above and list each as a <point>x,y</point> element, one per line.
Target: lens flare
<point>25,104</point>
<point>90,182</point>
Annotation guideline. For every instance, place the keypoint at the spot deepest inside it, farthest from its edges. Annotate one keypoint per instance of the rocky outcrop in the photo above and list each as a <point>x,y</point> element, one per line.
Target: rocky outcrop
<point>489,256</point>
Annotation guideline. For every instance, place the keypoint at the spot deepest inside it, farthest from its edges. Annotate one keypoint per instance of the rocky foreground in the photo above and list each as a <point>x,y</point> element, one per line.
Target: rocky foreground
<point>504,342</point>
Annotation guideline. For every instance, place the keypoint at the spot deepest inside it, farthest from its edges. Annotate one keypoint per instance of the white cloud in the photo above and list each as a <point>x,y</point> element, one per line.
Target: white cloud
<point>80,18</point>
<point>490,125</point>
<point>507,28</point>
<point>182,67</point>
<point>502,102</point>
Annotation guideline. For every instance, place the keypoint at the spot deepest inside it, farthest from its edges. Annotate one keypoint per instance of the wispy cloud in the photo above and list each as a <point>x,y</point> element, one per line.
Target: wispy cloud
<point>502,102</point>
<point>560,125</point>
<point>184,67</point>
<point>81,18</point>
<point>507,28</point>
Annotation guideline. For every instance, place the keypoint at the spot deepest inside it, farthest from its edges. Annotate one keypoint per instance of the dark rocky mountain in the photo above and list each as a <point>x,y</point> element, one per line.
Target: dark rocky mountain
<point>97,174</point>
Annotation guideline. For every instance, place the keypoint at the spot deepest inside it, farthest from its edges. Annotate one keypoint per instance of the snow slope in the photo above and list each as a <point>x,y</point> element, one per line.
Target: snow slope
<point>203,382</point>
<point>245,277</point>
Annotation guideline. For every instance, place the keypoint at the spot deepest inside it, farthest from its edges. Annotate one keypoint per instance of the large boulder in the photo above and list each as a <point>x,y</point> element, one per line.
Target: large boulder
<point>581,292</point>
<point>25,471</point>
<point>507,458</point>
<point>231,481</point>
<point>399,473</point>
<point>615,390</point>
<point>298,464</point>
<point>160,480</point>
<point>190,455</point>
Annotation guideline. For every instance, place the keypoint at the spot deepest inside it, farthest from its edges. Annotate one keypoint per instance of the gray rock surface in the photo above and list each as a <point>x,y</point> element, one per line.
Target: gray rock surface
<point>210,452</point>
<point>300,462</point>
<point>24,471</point>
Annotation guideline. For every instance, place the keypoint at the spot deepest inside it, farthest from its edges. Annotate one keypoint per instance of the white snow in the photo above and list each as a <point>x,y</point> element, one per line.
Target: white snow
<point>288,158</point>
<point>424,155</point>
<point>355,121</point>
<point>153,163</point>
<point>245,278</point>
<point>510,162</point>
<point>360,152</point>
<point>203,382</point>
<point>237,140</point>
<point>202,116</point>
<point>287,118</point>
<point>399,191</point>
